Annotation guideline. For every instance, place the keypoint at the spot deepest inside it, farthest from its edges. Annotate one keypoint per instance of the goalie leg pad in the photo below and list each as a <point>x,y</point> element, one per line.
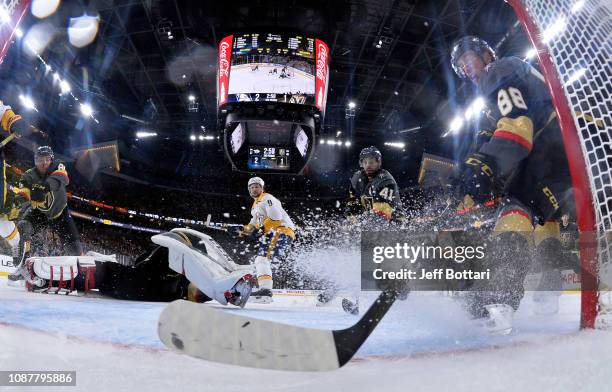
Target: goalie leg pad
<point>210,276</point>
<point>61,273</point>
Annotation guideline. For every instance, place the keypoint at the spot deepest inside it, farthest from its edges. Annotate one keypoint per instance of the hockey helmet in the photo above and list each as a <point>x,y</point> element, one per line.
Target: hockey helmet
<point>44,151</point>
<point>256,180</point>
<point>370,152</point>
<point>465,44</point>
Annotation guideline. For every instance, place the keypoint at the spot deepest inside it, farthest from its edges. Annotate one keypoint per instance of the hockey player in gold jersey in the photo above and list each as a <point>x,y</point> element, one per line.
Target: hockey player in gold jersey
<point>523,164</point>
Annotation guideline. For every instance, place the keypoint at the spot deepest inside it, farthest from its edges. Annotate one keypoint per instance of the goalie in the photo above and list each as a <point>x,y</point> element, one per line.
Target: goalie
<point>184,264</point>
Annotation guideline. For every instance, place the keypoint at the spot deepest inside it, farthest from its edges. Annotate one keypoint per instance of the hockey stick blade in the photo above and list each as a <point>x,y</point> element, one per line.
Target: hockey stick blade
<point>215,335</point>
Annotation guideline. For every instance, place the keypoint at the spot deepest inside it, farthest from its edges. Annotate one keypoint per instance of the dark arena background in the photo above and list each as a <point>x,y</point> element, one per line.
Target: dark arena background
<point>131,97</point>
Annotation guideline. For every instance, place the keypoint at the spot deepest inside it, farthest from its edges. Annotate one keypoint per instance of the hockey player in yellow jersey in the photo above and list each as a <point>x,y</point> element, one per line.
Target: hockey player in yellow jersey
<point>271,223</point>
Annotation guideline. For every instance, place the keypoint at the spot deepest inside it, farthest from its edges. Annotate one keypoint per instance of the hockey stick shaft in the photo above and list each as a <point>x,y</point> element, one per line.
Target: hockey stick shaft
<point>8,139</point>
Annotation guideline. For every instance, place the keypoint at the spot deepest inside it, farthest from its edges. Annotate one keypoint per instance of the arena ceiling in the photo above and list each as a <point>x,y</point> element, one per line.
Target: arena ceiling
<point>390,57</point>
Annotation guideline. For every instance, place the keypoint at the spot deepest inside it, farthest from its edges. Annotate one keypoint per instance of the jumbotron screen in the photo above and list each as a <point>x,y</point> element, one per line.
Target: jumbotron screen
<point>267,157</point>
<point>267,67</point>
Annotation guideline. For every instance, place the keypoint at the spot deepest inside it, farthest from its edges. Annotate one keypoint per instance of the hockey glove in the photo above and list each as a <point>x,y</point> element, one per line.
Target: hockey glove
<point>39,191</point>
<point>476,179</point>
<point>255,233</point>
<point>234,231</point>
<point>21,128</point>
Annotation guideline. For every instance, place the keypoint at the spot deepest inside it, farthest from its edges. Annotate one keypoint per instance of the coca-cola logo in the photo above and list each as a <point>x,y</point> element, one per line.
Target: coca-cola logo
<point>321,61</point>
<point>223,63</point>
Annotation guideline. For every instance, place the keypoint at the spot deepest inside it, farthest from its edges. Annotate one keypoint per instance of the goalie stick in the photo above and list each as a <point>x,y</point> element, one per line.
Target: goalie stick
<point>227,337</point>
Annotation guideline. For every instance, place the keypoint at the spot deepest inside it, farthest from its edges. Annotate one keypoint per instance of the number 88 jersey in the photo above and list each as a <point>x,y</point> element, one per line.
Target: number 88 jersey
<point>527,135</point>
<point>520,105</point>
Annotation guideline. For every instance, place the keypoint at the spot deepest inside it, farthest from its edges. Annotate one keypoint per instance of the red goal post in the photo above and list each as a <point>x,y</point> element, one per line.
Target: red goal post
<point>573,39</point>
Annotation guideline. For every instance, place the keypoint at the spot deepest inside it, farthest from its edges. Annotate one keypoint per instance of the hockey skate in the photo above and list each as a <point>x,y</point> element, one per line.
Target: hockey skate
<point>19,256</point>
<point>499,319</point>
<point>240,293</point>
<point>325,296</point>
<point>261,296</point>
<point>16,275</point>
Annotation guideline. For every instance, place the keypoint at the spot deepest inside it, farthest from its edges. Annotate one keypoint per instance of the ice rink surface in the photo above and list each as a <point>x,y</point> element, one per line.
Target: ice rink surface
<point>425,343</point>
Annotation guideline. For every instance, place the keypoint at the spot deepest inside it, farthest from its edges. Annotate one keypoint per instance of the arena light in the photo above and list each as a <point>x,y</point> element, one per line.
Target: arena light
<point>321,141</point>
<point>192,137</point>
<point>553,30</point>
<point>351,105</point>
<point>577,6</point>
<point>143,134</point>
<point>454,126</point>
<point>86,110</point>
<point>399,145</point>
<point>208,137</point>
<point>4,15</point>
<point>27,102</point>
<point>575,76</point>
<point>191,97</point>
<point>347,143</point>
<point>65,87</point>
<point>44,8</point>
<point>83,30</point>
<point>201,137</point>
<point>475,108</point>
<point>530,53</point>
<point>18,33</point>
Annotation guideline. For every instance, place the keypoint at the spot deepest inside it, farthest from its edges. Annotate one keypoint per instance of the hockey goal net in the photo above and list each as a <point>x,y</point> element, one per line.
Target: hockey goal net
<point>573,39</point>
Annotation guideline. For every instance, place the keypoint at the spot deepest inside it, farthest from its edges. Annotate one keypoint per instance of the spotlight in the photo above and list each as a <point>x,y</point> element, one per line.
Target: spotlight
<point>65,87</point>
<point>86,110</point>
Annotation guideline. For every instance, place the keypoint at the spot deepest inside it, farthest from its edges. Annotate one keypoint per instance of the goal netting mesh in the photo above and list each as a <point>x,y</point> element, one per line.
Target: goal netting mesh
<point>574,43</point>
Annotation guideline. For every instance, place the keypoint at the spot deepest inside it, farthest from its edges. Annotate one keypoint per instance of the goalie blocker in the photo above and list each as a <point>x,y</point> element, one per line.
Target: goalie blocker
<point>185,264</point>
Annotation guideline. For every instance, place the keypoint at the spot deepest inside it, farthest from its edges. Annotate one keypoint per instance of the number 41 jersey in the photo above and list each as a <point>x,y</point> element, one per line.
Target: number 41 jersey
<point>379,195</point>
